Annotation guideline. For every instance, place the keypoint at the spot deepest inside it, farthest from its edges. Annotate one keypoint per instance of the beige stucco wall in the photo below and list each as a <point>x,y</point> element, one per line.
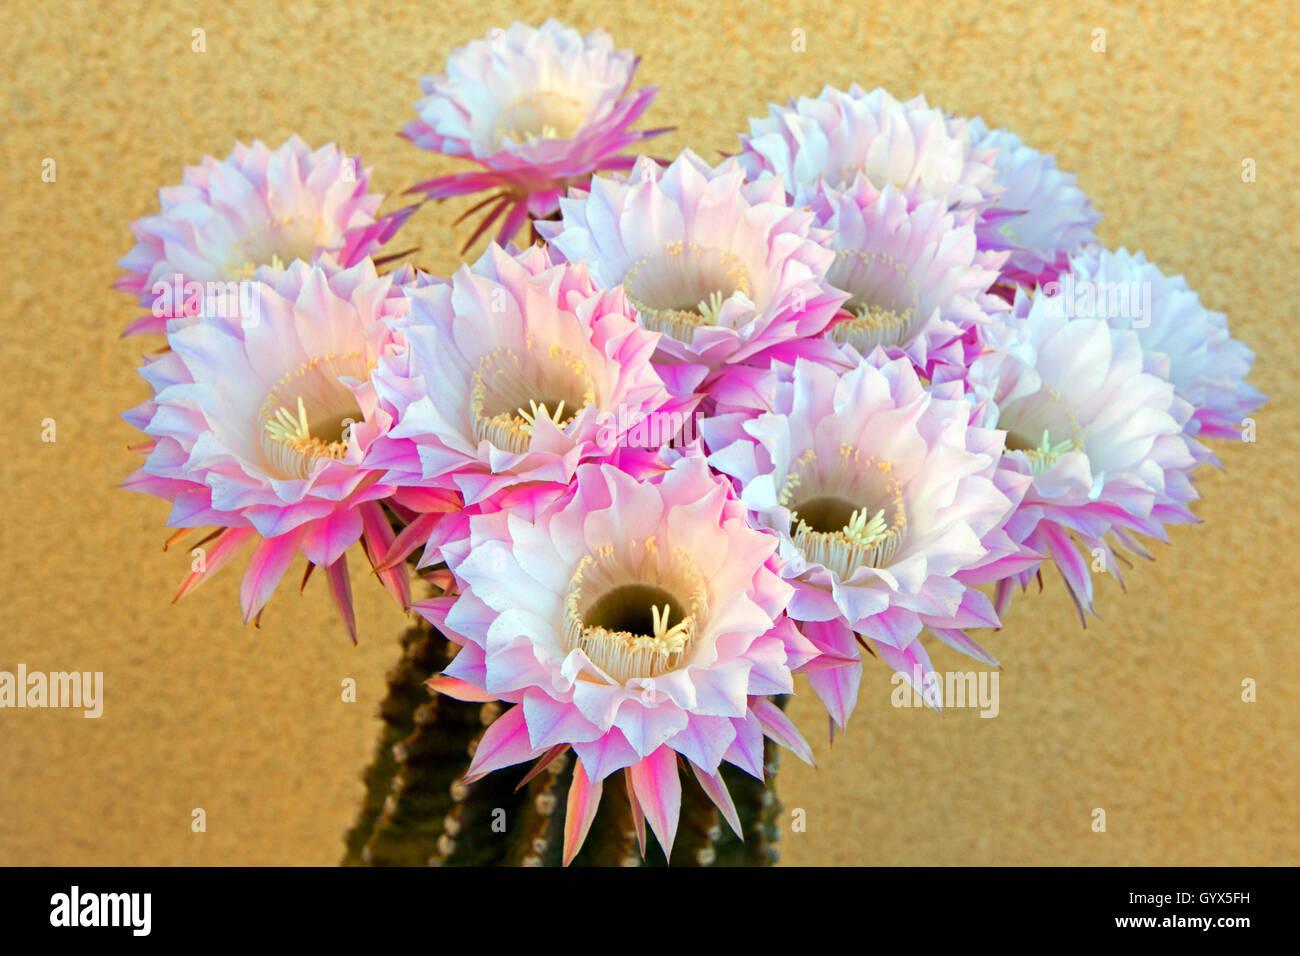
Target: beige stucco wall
<point>1140,715</point>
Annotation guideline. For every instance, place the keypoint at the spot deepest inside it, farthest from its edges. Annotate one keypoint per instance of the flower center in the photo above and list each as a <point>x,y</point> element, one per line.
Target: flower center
<point>884,300</point>
<point>541,115</point>
<point>1043,455</point>
<point>276,242</point>
<point>1032,423</point>
<point>636,612</point>
<point>245,272</point>
<point>309,414</point>
<point>684,287</point>
<point>846,515</point>
<point>509,393</point>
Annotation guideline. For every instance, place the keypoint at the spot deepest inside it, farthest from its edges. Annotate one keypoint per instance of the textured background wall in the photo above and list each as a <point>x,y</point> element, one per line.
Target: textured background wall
<point>1140,715</point>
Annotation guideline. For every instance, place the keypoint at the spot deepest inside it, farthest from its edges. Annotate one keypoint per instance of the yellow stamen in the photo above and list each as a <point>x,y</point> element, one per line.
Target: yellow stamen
<point>710,307</point>
<point>548,132</point>
<point>248,269</point>
<point>664,634</point>
<point>865,532</point>
<point>284,427</point>
<point>1046,454</point>
<point>539,409</point>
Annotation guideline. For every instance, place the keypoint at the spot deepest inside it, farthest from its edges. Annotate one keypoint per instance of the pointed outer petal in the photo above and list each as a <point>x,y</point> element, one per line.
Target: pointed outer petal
<point>638,815</point>
<point>746,751</point>
<point>1002,596</point>
<point>324,541</point>
<point>145,324</point>
<point>812,604</point>
<point>800,651</point>
<point>720,690</point>
<point>742,387</point>
<point>681,379</point>
<point>552,722</point>
<point>411,537</point>
<point>914,664</point>
<point>1023,560</point>
<point>975,610</point>
<point>837,688</point>
<point>604,756</point>
<point>457,688</point>
<point>648,728</point>
<point>450,539</point>
<point>512,223</point>
<point>1074,569</point>
<point>183,533</point>
<point>360,241</point>
<point>457,184</point>
<point>896,626</point>
<point>826,662</point>
<point>716,788</point>
<point>835,676</point>
<point>658,789</point>
<point>225,547</point>
<point>544,761</point>
<point>475,208</point>
<point>379,540</point>
<point>470,664</point>
<point>435,610</point>
<point>704,740</point>
<point>419,500</point>
<point>1113,560</point>
<point>833,638</point>
<point>961,641</point>
<point>584,798</point>
<point>503,744</point>
<point>781,729</point>
<point>271,558</point>
<point>485,224</point>
<point>1132,544</point>
<point>341,591</point>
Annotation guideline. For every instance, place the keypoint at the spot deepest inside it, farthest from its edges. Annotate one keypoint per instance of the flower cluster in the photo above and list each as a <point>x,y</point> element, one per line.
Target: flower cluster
<point>718,426</point>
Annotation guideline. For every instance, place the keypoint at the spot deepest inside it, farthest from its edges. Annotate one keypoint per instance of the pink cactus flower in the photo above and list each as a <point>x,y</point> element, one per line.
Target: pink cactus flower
<point>1100,436</point>
<point>1041,218</point>
<point>513,373</point>
<point>633,621</point>
<point>725,270</point>
<point>916,280</point>
<point>836,136</point>
<point>261,416</point>
<point>256,207</point>
<point>539,109</point>
<point>1207,366</point>
<point>887,505</point>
